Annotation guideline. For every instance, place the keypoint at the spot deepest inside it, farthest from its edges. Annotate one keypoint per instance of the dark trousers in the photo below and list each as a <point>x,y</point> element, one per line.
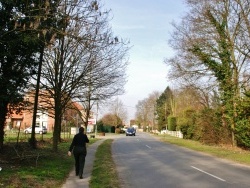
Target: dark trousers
<point>79,154</point>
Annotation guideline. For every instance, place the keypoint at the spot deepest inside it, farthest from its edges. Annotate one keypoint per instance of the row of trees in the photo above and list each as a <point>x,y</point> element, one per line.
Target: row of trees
<point>65,47</point>
<point>115,117</point>
<point>146,111</point>
<point>211,72</point>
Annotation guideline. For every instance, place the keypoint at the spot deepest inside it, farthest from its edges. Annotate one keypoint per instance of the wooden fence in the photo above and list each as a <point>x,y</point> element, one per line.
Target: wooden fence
<point>173,133</point>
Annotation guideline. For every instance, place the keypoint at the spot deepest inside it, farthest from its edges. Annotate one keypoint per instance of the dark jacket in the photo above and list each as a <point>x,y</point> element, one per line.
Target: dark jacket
<point>79,140</point>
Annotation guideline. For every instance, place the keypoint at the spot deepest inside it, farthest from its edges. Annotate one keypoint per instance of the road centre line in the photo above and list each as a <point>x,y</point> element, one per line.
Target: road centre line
<point>145,145</point>
<point>208,173</point>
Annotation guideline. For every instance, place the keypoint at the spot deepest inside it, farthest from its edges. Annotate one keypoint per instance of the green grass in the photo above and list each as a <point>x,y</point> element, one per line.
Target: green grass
<point>44,168</point>
<point>23,167</point>
<point>226,152</point>
<point>104,174</point>
<point>11,136</point>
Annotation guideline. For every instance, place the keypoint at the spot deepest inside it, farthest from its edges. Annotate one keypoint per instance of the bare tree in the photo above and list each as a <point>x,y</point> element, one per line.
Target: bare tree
<point>212,45</point>
<point>146,110</point>
<point>67,61</point>
<point>119,111</point>
<point>82,64</point>
<point>107,75</point>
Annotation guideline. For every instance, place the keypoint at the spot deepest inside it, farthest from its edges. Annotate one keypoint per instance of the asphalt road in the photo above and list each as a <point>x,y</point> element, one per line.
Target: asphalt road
<point>144,162</point>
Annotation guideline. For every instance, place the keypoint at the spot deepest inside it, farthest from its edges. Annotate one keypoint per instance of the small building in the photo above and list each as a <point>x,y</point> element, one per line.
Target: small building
<point>75,114</point>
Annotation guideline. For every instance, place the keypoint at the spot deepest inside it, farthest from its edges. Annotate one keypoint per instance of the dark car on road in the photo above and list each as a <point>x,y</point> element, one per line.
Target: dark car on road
<point>130,131</point>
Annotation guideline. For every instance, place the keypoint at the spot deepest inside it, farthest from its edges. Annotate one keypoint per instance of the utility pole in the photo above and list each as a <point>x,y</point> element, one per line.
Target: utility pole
<point>96,118</point>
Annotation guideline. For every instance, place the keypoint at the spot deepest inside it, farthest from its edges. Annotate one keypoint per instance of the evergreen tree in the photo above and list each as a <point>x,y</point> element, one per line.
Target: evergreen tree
<point>164,107</point>
<point>18,61</point>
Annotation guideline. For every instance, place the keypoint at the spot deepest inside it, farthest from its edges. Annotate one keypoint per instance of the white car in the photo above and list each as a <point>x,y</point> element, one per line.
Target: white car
<point>38,129</point>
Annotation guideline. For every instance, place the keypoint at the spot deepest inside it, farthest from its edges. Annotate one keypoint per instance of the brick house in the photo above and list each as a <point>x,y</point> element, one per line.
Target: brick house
<point>75,114</point>
<point>24,120</point>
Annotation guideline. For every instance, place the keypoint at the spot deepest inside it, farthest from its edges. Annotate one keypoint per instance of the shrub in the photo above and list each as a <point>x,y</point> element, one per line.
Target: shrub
<point>209,128</point>
<point>186,124</point>
<point>171,123</point>
<point>117,130</point>
<point>242,135</point>
<point>186,128</point>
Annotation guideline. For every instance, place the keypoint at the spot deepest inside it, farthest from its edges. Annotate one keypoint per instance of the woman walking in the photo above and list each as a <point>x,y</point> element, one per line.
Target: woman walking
<point>78,146</point>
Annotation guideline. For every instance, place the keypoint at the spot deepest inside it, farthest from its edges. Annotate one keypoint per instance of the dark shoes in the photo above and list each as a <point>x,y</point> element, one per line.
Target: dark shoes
<point>80,176</point>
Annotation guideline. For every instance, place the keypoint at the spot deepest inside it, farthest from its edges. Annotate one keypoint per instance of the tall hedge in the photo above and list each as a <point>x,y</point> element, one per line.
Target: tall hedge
<point>172,123</point>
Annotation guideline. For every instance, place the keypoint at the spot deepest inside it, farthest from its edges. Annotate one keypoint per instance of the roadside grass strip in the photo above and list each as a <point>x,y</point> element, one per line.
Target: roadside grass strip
<point>104,174</point>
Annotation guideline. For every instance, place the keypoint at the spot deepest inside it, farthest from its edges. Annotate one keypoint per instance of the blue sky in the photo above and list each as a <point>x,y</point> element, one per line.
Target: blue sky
<point>147,25</point>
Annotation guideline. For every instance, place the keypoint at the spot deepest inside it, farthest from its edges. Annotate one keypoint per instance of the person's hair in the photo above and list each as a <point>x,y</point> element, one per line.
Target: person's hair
<point>81,130</point>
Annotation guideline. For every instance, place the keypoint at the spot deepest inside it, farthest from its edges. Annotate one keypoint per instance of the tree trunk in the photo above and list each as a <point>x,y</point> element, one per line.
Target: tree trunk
<point>2,123</point>
<point>60,129</point>
<point>56,133</point>
<point>57,124</point>
<point>33,137</point>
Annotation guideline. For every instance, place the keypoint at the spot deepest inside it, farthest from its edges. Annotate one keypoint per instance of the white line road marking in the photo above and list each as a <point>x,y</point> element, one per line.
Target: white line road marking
<point>208,173</point>
<point>148,146</point>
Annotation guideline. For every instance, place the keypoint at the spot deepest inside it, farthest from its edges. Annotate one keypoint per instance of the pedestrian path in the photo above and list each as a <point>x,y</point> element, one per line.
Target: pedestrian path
<point>74,181</point>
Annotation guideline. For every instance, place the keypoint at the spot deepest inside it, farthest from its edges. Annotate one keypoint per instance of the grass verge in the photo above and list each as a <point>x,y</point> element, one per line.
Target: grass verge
<point>23,167</point>
<point>226,152</point>
<point>104,174</point>
<point>26,168</point>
